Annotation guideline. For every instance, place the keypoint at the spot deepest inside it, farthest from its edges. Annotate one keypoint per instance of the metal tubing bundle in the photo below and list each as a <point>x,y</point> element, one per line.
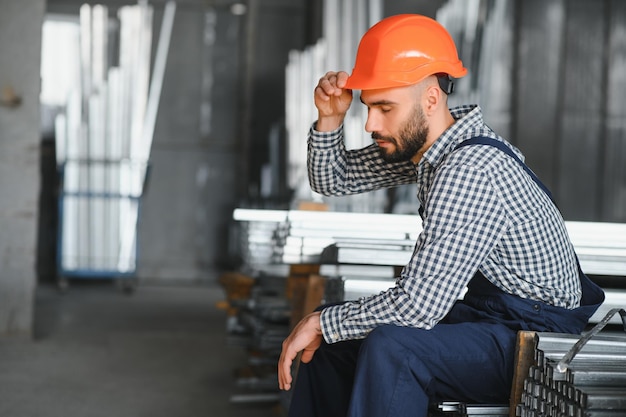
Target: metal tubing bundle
<point>104,140</point>
<point>576,376</point>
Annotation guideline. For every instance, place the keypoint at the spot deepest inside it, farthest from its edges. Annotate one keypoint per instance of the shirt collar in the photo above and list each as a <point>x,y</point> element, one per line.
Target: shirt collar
<point>467,118</point>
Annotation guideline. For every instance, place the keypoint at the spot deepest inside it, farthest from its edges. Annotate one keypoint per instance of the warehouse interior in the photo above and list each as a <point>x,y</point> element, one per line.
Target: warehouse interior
<point>228,87</point>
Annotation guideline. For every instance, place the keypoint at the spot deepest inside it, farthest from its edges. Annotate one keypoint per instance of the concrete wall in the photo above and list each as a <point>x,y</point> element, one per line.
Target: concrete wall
<point>20,54</point>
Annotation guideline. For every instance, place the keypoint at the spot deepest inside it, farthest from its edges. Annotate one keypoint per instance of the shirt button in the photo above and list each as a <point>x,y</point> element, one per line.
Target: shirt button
<point>536,307</point>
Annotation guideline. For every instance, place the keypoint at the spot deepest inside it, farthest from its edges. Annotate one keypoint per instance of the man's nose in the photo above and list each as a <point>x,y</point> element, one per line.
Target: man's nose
<point>372,124</point>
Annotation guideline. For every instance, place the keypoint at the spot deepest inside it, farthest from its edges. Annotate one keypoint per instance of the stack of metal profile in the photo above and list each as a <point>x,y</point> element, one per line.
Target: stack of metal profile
<point>256,238</point>
<point>262,318</point>
<point>460,409</point>
<point>351,282</point>
<point>300,236</point>
<point>570,379</point>
<point>375,242</point>
<point>340,237</point>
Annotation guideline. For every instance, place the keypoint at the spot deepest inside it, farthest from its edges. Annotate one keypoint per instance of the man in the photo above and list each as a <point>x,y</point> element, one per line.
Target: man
<point>489,226</point>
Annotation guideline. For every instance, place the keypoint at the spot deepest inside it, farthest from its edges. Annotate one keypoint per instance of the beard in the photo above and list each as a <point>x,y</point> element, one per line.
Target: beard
<point>411,138</point>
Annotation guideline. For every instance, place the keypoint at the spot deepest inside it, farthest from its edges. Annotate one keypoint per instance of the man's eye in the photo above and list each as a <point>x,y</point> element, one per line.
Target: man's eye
<point>385,109</point>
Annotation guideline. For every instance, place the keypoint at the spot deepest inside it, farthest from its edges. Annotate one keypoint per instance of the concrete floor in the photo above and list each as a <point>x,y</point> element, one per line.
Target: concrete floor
<point>160,352</point>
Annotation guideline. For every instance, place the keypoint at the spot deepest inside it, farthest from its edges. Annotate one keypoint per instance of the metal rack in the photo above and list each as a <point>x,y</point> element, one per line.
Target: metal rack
<point>103,143</point>
<point>98,219</point>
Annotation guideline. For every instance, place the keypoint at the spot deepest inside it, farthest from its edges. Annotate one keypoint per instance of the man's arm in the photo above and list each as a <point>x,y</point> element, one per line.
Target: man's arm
<point>333,170</point>
<point>465,222</point>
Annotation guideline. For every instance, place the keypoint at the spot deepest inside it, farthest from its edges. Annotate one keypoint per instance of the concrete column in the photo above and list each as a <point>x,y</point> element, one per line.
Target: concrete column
<point>20,55</point>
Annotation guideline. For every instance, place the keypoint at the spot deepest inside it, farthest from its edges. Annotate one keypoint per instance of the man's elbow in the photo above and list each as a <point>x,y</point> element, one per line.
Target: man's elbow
<point>327,190</point>
<point>320,190</point>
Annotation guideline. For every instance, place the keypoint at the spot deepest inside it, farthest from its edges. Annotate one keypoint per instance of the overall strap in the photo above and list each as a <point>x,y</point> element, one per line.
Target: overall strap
<point>483,140</point>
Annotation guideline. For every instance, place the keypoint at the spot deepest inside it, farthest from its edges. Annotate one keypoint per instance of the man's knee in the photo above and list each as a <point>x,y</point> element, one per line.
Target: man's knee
<point>379,338</point>
<point>386,342</point>
<point>391,337</point>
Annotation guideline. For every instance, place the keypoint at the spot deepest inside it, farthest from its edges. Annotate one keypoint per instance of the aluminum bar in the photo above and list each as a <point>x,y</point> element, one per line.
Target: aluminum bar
<point>476,410</point>
<point>342,235</point>
<point>129,230</point>
<point>382,256</point>
<point>603,398</point>
<point>564,341</point>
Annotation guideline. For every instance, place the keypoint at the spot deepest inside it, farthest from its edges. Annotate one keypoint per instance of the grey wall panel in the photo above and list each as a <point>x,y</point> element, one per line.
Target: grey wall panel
<point>578,191</point>
<point>179,116</point>
<point>279,28</point>
<point>183,220</point>
<point>536,96</point>
<point>496,67</point>
<point>614,178</point>
<point>570,89</point>
<point>221,79</point>
<point>195,155</point>
<point>583,103</point>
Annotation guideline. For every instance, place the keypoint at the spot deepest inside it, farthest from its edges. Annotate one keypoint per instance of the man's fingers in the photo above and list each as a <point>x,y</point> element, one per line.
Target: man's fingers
<point>306,336</point>
<point>320,93</point>
<point>342,79</point>
<point>331,84</point>
<point>328,88</point>
<point>284,372</point>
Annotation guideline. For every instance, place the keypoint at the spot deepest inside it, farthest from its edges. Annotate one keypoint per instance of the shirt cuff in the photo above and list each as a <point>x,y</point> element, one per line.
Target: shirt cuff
<point>324,140</point>
<point>330,324</point>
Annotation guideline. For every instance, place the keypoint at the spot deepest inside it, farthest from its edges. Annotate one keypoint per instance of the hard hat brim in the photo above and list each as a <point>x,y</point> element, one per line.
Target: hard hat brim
<point>360,81</point>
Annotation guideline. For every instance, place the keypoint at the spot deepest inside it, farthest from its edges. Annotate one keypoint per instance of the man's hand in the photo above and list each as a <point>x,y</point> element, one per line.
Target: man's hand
<point>332,100</point>
<point>305,337</point>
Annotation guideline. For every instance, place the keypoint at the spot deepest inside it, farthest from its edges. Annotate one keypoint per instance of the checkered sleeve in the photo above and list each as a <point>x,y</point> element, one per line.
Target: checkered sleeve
<point>334,170</point>
<point>464,220</point>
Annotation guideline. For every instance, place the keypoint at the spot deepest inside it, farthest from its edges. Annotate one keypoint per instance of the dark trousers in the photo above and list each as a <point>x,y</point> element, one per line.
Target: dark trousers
<point>398,371</point>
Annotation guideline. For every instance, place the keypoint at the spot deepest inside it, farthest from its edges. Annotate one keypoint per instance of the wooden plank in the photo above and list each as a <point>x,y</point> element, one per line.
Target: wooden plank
<point>238,287</point>
<point>583,102</point>
<point>614,178</point>
<point>297,288</point>
<point>536,93</point>
<point>524,358</point>
<point>316,286</point>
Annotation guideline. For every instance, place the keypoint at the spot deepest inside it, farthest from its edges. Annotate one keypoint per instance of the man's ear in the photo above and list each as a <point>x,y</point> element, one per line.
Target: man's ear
<point>434,97</point>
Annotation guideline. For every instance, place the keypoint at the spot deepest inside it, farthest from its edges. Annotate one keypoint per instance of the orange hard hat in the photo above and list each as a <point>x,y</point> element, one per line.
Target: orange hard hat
<point>402,50</point>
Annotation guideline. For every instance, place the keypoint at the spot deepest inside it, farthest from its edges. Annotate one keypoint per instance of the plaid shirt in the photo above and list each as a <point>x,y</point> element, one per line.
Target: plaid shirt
<point>480,211</point>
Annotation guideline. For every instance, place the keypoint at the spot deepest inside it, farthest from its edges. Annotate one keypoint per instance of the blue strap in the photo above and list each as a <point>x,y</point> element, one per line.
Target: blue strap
<point>483,140</point>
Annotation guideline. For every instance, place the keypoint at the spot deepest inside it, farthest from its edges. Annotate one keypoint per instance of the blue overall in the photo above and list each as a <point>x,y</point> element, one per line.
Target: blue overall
<point>468,356</point>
